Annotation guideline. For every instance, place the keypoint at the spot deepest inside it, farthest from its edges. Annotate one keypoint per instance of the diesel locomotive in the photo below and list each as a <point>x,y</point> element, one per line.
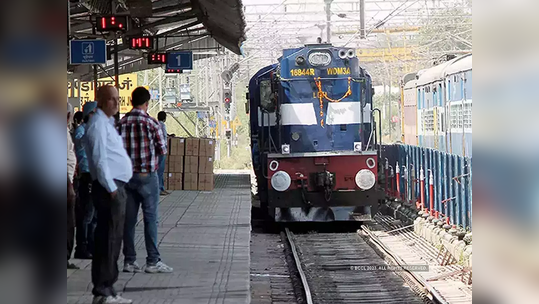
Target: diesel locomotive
<point>314,142</point>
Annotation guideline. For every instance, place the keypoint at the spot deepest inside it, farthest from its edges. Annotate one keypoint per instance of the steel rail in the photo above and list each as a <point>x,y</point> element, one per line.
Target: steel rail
<point>302,275</point>
<point>395,259</point>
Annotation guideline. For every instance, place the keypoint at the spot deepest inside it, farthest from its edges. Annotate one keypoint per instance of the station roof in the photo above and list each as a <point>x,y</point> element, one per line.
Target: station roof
<point>204,26</point>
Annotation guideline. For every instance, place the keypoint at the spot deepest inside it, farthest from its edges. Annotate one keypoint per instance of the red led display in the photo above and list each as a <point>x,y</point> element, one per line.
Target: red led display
<point>157,58</point>
<point>111,23</point>
<point>173,71</point>
<point>141,43</point>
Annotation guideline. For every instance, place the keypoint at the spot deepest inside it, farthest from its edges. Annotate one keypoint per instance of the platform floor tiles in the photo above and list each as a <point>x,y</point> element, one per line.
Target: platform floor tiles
<point>204,236</point>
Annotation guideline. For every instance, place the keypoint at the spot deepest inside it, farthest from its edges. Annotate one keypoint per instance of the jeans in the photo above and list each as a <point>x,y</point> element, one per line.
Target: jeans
<point>85,211</point>
<point>161,172</point>
<point>142,189</point>
<point>70,228</point>
<point>108,238</point>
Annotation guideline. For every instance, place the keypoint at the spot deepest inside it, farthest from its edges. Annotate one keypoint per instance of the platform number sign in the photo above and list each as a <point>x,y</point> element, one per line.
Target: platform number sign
<point>180,60</point>
<point>88,51</point>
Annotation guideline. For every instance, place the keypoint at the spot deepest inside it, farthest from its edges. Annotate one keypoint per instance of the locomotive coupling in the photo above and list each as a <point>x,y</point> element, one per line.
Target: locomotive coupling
<point>325,180</point>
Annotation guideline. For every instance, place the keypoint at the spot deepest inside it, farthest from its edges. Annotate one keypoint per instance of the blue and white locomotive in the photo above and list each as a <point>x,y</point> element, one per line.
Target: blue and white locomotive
<point>314,143</point>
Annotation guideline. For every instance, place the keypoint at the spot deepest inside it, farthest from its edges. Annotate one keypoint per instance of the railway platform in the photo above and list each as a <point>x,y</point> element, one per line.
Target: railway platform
<point>204,236</point>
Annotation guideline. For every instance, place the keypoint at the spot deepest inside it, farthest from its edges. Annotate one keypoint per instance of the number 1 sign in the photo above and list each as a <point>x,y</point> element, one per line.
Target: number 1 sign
<point>180,60</point>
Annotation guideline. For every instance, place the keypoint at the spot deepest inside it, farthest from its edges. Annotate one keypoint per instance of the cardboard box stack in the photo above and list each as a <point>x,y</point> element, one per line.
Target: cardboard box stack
<point>206,153</point>
<point>190,164</point>
<point>174,164</point>
<point>191,173</point>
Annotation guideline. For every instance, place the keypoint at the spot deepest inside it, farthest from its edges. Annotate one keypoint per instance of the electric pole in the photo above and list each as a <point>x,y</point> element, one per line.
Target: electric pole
<point>160,75</point>
<point>362,34</point>
<point>328,19</point>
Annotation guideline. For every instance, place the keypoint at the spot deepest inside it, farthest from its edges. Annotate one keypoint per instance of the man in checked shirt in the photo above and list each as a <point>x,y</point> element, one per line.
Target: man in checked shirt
<point>144,142</point>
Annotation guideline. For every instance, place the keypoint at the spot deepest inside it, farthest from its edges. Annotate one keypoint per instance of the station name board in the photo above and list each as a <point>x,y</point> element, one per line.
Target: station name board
<point>128,82</point>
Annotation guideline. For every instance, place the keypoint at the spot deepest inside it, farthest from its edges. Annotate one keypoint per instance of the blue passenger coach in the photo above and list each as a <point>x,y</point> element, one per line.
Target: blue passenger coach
<point>443,99</point>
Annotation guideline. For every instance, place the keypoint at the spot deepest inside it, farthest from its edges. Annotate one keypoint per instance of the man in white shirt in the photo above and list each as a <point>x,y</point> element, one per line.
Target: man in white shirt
<point>71,197</point>
<point>110,168</point>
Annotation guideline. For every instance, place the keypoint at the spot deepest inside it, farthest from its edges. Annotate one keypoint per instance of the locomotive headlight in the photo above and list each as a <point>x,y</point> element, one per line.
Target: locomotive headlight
<point>319,58</point>
<point>365,179</point>
<point>350,53</point>
<point>281,181</point>
<point>357,147</point>
<point>342,54</point>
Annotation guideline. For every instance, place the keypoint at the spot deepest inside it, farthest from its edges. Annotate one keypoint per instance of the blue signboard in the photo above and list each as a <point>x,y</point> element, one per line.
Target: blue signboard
<point>88,51</point>
<point>180,60</point>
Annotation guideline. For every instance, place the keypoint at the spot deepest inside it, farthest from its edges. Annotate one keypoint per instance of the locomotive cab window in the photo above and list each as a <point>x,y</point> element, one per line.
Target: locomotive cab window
<point>266,101</point>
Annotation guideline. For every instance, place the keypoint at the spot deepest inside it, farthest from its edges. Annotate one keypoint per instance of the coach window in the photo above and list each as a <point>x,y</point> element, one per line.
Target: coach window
<point>448,90</point>
<point>440,95</point>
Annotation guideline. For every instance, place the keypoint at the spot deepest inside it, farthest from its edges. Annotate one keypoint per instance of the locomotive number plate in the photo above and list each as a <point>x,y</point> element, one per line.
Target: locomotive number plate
<point>301,72</point>
<point>338,71</point>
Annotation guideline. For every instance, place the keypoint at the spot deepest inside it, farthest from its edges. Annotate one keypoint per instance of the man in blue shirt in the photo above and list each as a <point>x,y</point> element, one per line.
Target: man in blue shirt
<point>85,207</point>
<point>110,168</point>
<point>162,118</point>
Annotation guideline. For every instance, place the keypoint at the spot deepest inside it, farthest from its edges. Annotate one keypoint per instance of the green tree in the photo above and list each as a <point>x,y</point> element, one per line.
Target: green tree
<point>381,102</point>
<point>446,31</point>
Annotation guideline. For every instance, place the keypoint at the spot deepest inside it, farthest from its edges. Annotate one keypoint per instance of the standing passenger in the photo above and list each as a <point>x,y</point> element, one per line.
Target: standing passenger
<point>111,169</point>
<point>71,196</point>
<point>85,208</point>
<point>145,142</point>
<point>162,118</point>
<point>78,118</point>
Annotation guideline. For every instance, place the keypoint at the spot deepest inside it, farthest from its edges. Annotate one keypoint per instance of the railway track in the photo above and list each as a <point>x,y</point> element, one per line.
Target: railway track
<point>344,268</point>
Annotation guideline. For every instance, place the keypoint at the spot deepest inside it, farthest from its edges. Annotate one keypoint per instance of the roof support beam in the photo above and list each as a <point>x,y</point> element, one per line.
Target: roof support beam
<point>180,28</point>
<point>168,9</point>
<point>178,18</point>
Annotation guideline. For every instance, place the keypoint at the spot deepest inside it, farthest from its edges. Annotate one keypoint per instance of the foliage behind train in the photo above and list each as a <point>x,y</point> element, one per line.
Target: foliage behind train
<point>312,136</point>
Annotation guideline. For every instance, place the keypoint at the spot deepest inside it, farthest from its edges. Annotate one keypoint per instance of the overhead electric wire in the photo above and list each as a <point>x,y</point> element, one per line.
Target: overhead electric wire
<point>267,14</point>
<point>382,22</point>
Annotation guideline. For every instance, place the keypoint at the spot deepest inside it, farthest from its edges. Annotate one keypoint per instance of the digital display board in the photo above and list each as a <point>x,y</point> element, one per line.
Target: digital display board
<point>157,58</point>
<point>141,43</point>
<point>111,23</point>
